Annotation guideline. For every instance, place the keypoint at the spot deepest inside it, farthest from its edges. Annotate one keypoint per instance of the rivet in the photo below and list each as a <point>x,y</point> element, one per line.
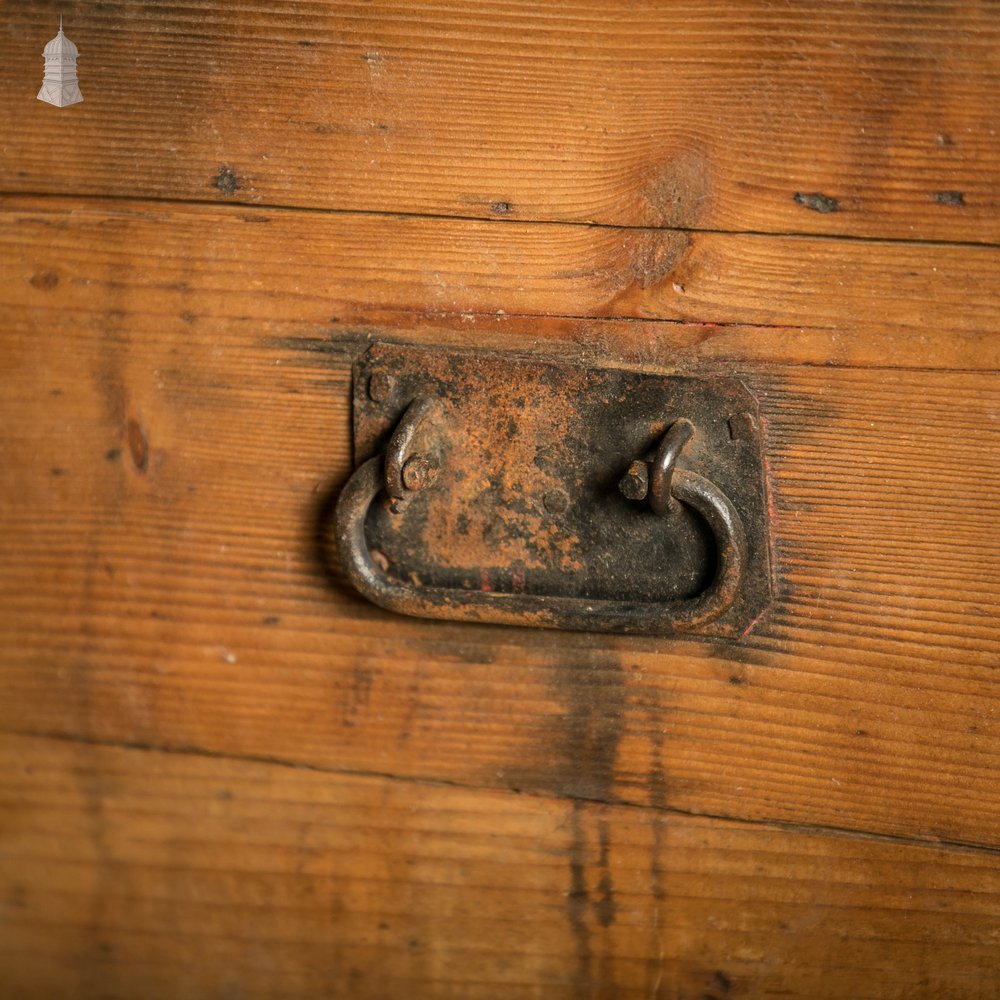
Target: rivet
<point>419,472</point>
<point>380,387</point>
<point>634,484</point>
<point>742,427</point>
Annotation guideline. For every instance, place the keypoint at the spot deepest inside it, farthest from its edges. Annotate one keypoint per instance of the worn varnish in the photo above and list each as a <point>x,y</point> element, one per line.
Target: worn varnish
<point>223,774</point>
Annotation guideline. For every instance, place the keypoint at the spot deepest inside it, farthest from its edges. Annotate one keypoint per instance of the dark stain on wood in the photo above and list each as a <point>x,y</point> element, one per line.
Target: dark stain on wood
<point>45,280</point>
<point>360,693</point>
<point>17,897</point>
<point>342,347</point>
<point>719,986</point>
<point>817,202</point>
<point>604,906</point>
<point>575,756</point>
<point>652,703</point>
<point>226,181</point>
<point>587,736</point>
<point>954,198</point>
<point>138,444</point>
<point>657,774</point>
<point>577,898</point>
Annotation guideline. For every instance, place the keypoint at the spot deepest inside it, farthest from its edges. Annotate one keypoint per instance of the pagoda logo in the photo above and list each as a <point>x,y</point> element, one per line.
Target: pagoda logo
<point>60,86</point>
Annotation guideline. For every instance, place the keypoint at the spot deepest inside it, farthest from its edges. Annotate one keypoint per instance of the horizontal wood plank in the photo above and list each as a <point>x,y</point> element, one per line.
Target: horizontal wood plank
<point>127,873</point>
<point>222,773</point>
<point>773,298</point>
<point>175,426</point>
<point>875,119</point>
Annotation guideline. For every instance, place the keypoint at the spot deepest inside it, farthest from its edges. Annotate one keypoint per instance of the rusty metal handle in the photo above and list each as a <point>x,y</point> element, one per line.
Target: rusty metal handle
<point>689,614</point>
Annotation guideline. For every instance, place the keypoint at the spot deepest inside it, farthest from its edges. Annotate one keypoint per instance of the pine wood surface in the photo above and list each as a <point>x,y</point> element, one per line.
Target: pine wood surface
<point>168,450</point>
<point>223,774</point>
<point>163,584</point>
<point>874,119</point>
<point>870,303</point>
<point>170,876</point>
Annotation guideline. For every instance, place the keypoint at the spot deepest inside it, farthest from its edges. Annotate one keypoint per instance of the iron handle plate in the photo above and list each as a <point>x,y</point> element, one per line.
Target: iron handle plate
<point>435,523</point>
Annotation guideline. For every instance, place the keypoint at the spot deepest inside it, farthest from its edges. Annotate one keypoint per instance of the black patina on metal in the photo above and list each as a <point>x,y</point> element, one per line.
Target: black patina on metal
<point>504,489</point>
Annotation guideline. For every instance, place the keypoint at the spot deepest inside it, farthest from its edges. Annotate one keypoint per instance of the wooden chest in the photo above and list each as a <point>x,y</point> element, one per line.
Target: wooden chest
<point>224,774</point>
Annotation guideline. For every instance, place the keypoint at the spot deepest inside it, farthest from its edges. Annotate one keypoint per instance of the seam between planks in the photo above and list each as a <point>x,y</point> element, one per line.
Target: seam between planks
<point>499,221</point>
<point>808,829</point>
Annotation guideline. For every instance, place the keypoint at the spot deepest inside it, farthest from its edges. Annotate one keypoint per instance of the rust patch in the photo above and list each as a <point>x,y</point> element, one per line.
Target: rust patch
<point>488,520</point>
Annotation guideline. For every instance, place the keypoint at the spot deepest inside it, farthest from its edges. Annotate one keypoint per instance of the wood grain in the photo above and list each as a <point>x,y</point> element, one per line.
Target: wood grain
<point>823,301</point>
<point>164,473</point>
<point>127,873</point>
<point>222,773</point>
<point>872,119</point>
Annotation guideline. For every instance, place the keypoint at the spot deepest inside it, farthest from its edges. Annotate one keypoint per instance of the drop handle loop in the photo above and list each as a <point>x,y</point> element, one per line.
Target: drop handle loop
<point>384,476</point>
